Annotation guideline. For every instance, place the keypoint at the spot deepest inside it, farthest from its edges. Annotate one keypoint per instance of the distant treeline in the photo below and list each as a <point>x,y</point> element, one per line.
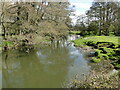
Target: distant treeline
<point>103,18</point>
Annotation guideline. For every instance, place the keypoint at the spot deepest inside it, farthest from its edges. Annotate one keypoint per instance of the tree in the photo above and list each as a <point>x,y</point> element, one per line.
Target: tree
<point>93,28</point>
<point>104,14</point>
<point>29,20</point>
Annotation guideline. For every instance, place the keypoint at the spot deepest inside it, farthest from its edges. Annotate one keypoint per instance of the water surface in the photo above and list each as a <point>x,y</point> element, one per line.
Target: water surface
<point>44,68</point>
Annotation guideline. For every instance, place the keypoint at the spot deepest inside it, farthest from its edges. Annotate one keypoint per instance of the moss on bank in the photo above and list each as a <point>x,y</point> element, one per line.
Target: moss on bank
<point>106,48</point>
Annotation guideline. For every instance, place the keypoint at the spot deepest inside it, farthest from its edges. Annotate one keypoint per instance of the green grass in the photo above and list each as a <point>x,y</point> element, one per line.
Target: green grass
<point>106,47</point>
<point>74,32</point>
<point>79,42</point>
<point>95,39</point>
<point>104,39</point>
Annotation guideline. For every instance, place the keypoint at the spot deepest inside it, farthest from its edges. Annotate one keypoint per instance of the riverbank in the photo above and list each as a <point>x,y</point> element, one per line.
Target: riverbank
<point>31,41</point>
<point>74,32</point>
<point>24,43</point>
<point>97,80</point>
<point>102,52</point>
<point>104,47</point>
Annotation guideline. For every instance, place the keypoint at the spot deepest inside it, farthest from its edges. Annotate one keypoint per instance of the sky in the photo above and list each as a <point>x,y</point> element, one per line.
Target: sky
<point>81,6</point>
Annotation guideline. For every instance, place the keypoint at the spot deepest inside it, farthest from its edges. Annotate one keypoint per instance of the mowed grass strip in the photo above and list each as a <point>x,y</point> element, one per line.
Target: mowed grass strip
<point>95,39</point>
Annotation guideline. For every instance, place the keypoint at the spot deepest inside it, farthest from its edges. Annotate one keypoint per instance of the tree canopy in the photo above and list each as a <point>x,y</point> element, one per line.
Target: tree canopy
<point>30,20</point>
<point>105,15</point>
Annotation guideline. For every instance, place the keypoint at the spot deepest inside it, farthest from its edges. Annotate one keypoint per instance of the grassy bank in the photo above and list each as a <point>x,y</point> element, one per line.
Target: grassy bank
<point>24,42</point>
<point>74,32</point>
<point>105,47</point>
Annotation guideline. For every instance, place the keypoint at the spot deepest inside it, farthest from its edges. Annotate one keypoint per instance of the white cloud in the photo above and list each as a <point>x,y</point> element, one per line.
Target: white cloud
<point>77,1</point>
<point>81,5</point>
<point>78,13</point>
<point>80,9</point>
<point>73,19</point>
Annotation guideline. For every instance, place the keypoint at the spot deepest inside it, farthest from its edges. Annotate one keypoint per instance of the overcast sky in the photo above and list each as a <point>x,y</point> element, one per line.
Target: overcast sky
<point>81,6</point>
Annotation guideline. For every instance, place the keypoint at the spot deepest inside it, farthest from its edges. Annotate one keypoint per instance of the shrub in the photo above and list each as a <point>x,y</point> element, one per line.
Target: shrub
<point>117,65</point>
<point>117,51</point>
<point>95,60</point>
<point>90,43</point>
<point>108,51</point>
<point>113,58</point>
<point>103,56</point>
<point>97,52</point>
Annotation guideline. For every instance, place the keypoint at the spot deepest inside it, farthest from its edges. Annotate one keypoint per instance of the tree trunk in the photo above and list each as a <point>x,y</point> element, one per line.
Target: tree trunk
<point>2,21</point>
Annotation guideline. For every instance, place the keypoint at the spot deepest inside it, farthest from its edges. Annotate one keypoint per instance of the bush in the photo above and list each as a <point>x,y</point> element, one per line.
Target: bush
<point>103,56</point>
<point>117,51</point>
<point>113,58</point>
<point>108,51</point>
<point>104,44</point>
<point>90,43</point>
<point>95,60</point>
<point>117,65</point>
<point>92,28</point>
<point>97,52</point>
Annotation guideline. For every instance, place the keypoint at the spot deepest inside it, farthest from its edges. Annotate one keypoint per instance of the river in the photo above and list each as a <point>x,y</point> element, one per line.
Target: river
<point>44,68</point>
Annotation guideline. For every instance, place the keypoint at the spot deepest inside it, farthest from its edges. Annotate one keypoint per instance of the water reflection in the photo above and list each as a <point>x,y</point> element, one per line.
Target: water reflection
<point>43,68</point>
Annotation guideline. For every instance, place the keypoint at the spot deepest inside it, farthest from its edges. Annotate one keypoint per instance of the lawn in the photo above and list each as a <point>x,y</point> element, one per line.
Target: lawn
<point>95,39</point>
<point>106,48</point>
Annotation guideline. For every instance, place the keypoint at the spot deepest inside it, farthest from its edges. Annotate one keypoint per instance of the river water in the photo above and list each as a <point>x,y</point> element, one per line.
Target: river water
<point>44,68</point>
